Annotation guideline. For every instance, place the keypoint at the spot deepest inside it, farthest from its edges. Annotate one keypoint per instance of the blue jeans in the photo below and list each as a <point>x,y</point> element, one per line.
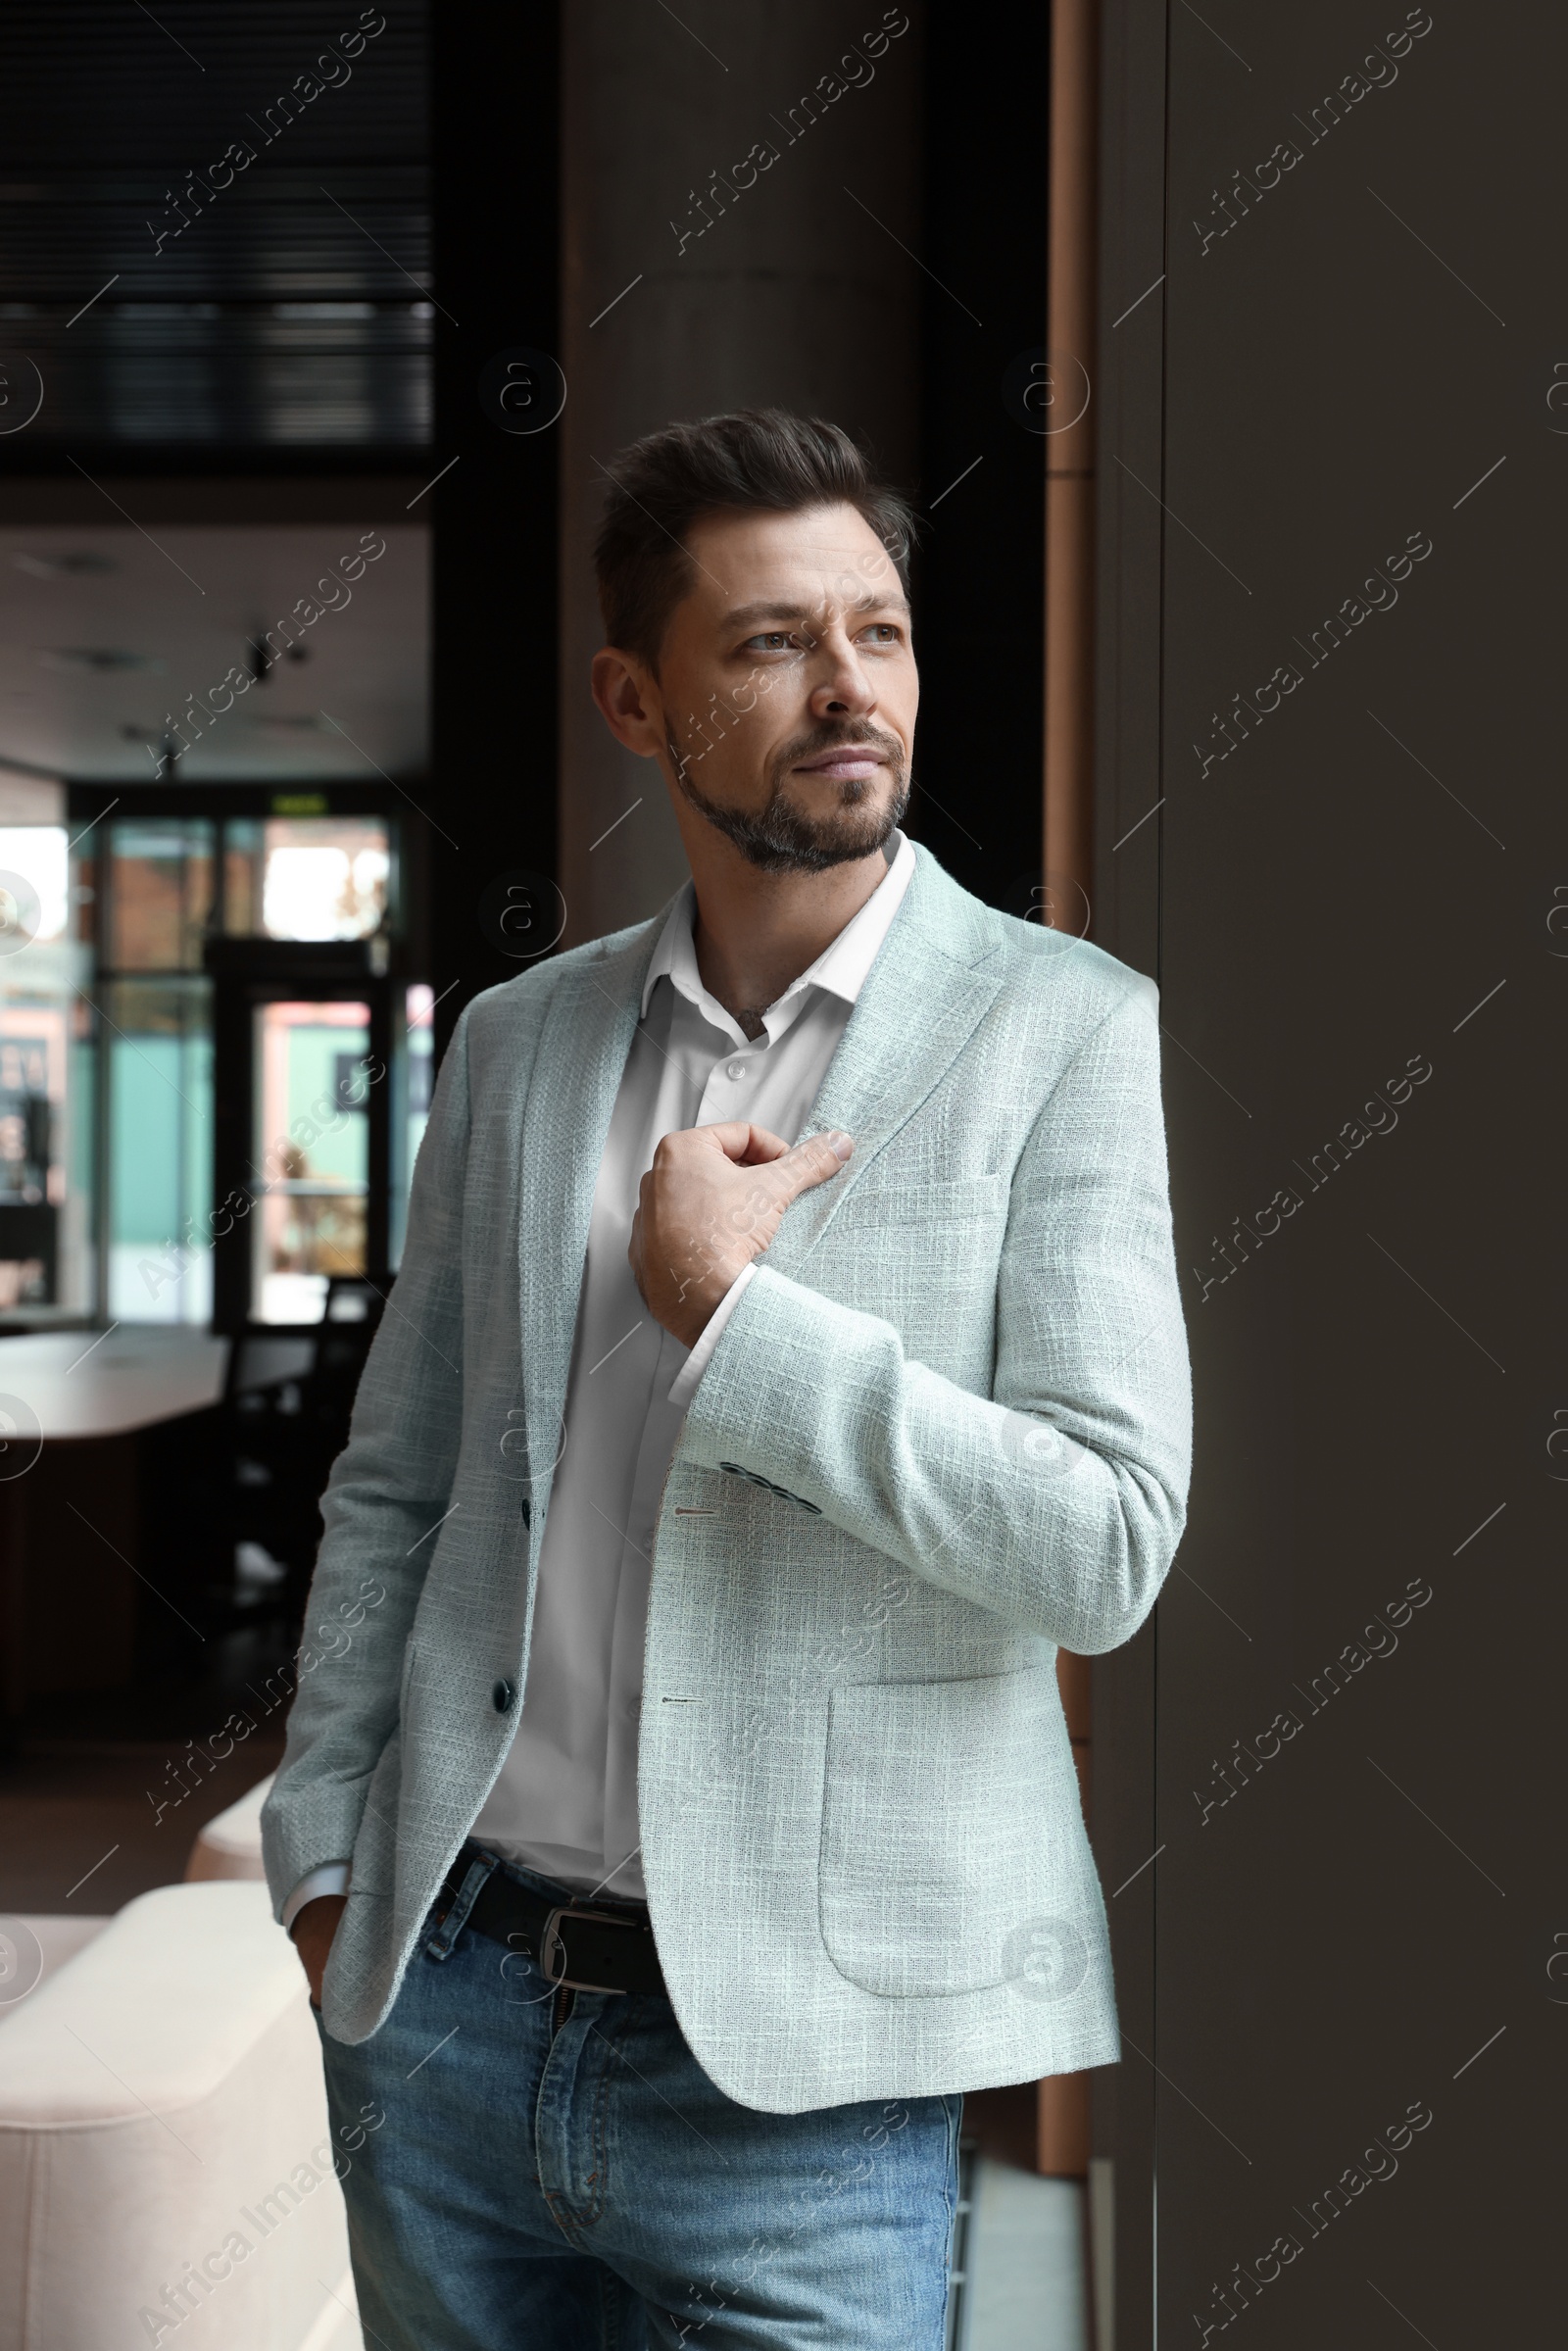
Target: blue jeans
<point>523,2179</point>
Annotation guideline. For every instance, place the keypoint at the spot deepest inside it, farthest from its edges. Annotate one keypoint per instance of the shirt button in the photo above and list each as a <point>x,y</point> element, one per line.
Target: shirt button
<point>502,1695</point>
<point>736,1069</point>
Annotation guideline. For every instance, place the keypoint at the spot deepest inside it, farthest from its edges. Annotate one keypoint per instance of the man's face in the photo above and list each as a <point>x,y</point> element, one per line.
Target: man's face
<point>784,707</point>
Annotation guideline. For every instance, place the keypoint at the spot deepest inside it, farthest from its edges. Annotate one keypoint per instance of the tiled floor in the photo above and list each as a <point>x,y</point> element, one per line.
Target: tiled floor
<point>1025,2281</point>
<point>102,1798</point>
<point>79,1831</point>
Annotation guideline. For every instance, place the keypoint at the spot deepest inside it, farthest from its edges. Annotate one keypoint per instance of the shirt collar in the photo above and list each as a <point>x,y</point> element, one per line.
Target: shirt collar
<point>841,968</point>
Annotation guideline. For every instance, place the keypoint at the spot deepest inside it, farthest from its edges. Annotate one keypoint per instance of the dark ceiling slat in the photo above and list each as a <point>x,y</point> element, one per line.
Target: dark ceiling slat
<point>67,257</point>
<point>103,118</point>
<point>105,81</point>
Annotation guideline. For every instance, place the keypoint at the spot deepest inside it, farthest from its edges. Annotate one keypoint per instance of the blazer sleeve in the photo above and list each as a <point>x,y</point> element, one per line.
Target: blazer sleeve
<point>389,1488</point>
<point>1059,1500</point>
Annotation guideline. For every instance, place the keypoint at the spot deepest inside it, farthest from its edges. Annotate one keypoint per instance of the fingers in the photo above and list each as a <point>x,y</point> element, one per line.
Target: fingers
<point>743,1145</point>
<point>747,1145</point>
<point>790,1171</point>
<point>765,1147</point>
<point>813,1162</point>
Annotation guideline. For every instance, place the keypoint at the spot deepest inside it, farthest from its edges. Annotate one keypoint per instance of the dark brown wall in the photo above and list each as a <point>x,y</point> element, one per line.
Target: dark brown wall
<point>1362,882</point>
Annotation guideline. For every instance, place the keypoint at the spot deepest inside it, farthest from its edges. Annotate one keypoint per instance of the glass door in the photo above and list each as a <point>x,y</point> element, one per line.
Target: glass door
<point>304,1048</point>
<point>313,1069</point>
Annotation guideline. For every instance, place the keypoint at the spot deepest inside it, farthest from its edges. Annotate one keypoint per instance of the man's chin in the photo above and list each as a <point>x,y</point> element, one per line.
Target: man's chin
<point>789,838</point>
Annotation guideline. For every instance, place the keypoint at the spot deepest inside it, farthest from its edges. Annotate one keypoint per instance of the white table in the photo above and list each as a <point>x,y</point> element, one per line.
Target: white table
<point>83,1383</point>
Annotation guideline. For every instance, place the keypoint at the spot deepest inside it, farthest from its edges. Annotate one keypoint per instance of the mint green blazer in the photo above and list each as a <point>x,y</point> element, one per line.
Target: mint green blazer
<point>946,1429</point>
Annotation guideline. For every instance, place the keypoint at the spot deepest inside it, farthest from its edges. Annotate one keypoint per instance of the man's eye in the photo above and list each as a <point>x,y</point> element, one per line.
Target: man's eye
<point>884,632</point>
<point>772,640</point>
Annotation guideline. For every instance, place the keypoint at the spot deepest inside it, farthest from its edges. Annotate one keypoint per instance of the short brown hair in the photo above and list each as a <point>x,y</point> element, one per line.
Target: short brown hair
<point>758,458</point>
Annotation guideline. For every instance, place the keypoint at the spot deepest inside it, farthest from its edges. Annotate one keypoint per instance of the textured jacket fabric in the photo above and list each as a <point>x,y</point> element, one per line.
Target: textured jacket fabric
<point>946,1429</point>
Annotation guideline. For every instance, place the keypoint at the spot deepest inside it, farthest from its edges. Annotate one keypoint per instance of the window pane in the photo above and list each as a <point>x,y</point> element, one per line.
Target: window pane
<point>307,877</point>
<point>33,857</point>
<point>159,1054</point>
<point>46,1256</point>
<point>412,1103</point>
<point>161,893</point>
<point>244,862</point>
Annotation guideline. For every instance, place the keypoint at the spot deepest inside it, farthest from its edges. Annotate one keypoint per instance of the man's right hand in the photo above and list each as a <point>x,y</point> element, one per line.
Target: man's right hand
<point>312,1933</point>
<point>710,1203</point>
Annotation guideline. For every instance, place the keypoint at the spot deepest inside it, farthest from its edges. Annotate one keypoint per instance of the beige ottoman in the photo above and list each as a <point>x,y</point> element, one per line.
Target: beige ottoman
<point>166,2162</point>
<point>57,1938</point>
<point>230,1844</point>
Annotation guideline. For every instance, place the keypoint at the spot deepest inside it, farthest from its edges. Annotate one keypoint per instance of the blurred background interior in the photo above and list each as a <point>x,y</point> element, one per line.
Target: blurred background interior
<point>308,371</point>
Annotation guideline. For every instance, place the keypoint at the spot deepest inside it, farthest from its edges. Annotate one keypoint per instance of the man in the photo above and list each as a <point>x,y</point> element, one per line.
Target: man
<point>786,1358</point>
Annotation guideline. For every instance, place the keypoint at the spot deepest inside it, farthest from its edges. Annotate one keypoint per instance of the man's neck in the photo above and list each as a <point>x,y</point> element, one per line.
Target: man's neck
<point>756,932</point>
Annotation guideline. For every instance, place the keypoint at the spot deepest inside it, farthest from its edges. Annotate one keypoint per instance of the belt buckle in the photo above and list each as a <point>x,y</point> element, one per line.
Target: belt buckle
<point>553,1951</point>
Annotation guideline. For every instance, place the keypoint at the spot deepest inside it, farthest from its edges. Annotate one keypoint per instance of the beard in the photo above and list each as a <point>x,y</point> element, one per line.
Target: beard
<point>785,838</point>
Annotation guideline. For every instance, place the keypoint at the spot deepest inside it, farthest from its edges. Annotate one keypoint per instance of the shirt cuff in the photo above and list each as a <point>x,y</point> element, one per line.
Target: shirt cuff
<point>333,1877</point>
<point>689,1377</point>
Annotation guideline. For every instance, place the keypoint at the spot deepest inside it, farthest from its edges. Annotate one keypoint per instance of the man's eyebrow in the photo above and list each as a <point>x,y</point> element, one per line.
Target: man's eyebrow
<point>745,614</point>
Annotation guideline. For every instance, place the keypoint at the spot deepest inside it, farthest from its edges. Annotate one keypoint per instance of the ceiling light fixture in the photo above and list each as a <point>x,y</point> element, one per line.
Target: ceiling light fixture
<point>96,659</point>
<point>78,565</point>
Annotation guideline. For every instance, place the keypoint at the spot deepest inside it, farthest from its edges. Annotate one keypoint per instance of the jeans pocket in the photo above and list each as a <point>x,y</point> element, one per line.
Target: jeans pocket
<point>440,1942</point>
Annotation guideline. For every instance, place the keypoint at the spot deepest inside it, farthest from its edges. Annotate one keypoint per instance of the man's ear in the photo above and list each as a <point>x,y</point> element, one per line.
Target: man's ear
<point>629,701</point>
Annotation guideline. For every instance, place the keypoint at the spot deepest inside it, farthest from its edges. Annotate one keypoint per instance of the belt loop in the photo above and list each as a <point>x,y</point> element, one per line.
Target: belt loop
<point>439,1944</point>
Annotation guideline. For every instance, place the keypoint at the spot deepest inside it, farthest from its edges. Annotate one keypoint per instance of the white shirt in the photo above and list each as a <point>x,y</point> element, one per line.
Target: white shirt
<point>566,1800</point>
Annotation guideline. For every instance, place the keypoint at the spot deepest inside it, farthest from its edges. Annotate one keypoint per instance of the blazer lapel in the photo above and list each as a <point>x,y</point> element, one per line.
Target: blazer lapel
<point>922,999</point>
<point>576,1074</point>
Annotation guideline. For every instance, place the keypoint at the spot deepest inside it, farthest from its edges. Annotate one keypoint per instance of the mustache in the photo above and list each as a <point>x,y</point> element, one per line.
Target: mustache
<point>843,736</point>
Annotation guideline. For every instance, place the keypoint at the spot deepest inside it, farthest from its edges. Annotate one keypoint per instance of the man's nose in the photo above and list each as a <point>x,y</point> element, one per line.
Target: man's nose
<point>844,685</point>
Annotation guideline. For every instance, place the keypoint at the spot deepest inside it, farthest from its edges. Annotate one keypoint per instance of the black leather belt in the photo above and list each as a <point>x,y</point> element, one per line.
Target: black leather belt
<point>575,1944</point>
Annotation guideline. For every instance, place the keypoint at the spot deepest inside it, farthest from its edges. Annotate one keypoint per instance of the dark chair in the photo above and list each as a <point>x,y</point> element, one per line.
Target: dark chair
<point>288,1402</point>
<point>30,1235</point>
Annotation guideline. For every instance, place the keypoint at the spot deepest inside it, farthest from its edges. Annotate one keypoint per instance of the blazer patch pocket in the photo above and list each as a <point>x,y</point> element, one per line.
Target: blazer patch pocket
<point>950,1827</point>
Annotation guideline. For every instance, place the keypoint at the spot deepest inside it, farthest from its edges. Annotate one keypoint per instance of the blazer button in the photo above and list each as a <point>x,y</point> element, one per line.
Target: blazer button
<point>502,1695</point>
